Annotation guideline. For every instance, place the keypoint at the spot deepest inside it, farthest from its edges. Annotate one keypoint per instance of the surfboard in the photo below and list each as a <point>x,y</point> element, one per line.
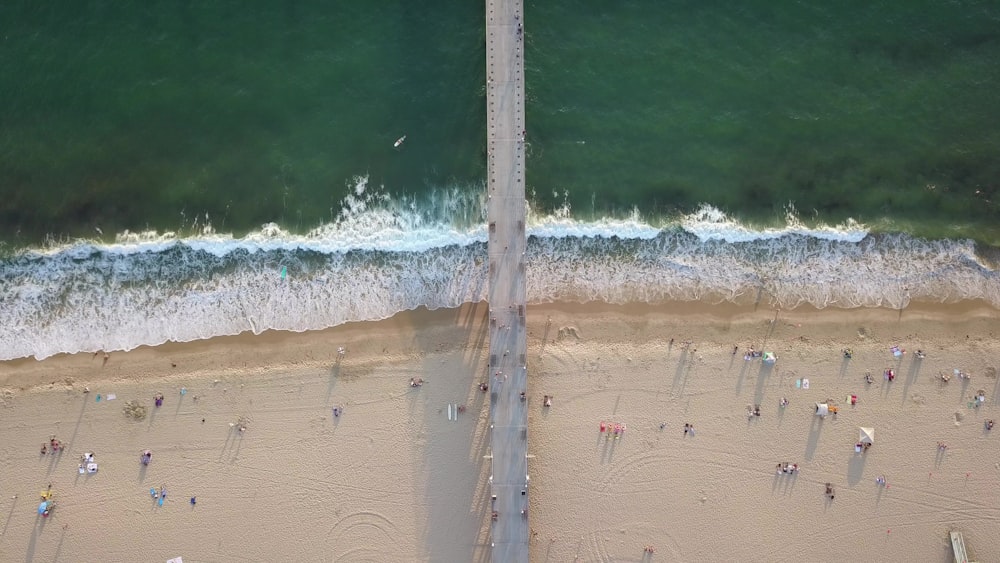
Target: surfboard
<point>399,141</point>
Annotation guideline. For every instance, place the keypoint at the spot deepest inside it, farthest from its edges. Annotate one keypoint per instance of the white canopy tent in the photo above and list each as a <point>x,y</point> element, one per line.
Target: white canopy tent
<point>822,409</point>
<point>866,435</point>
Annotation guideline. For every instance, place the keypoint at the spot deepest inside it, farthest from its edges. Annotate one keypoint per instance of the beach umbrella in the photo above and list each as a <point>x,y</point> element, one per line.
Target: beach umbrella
<point>866,435</point>
<point>822,409</point>
<point>770,358</point>
<point>43,507</point>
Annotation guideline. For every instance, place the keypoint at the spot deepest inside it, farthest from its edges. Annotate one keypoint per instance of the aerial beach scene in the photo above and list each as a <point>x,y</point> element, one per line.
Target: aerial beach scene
<point>248,281</point>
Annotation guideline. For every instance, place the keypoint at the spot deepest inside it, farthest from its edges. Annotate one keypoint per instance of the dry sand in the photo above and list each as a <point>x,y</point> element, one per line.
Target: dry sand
<point>392,479</point>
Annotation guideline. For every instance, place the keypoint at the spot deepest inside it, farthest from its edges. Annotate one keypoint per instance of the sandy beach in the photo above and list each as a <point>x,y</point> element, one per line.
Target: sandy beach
<point>395,478</point>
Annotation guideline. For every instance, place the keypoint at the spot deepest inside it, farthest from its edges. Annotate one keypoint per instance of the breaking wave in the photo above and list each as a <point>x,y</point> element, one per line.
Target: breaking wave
<point>380,257</point>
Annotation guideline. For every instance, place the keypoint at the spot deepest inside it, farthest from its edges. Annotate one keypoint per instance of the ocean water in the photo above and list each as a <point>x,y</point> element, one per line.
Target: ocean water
<point>176,171</point>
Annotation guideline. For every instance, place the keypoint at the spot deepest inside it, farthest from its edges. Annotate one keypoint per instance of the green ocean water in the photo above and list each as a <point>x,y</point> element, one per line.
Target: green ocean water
<point>135,115</point>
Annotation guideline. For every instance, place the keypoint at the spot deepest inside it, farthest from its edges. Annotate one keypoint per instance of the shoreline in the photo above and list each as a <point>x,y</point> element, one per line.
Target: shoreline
<point>296,348</point>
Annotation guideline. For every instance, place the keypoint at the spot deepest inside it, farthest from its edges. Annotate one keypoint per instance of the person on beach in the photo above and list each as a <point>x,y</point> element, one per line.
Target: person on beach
<point>45,448</point>
<point>989,424</point>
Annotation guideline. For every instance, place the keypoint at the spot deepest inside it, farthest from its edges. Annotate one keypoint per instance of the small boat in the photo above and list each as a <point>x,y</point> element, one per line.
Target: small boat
<point>399,141</point>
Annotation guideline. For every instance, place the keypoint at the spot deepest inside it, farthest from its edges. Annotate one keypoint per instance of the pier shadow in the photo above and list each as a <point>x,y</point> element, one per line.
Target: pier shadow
<point>462,338</point>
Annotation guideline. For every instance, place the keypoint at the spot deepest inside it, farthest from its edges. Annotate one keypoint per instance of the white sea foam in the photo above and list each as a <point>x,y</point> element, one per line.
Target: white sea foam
<point>709,223</point>
<point>381,256</point>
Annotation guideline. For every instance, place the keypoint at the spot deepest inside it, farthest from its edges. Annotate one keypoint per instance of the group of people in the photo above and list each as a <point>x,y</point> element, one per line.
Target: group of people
<point>416,382</point>
<point>52,443</point>
<point>615,429</point>
<point>785,468</point>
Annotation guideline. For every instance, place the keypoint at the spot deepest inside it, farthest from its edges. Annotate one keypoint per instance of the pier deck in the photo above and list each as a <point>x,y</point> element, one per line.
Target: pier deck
<point>509,532</point>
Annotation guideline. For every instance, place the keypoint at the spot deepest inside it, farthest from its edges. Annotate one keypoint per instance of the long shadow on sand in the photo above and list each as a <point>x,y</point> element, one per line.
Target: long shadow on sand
<point>911,376</point>
<point>762,375</point>
<point>814,431</point>
<point>855,468</point>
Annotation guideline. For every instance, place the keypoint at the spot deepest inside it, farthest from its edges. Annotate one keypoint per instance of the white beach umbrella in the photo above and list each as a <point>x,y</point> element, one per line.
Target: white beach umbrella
<point>866,435</point>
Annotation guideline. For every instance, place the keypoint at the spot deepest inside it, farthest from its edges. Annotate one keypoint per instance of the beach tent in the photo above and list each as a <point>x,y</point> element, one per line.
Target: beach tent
<point>43,507</point>
<point>866,435</point>
<point>822,409</point>
<point>770,358</point>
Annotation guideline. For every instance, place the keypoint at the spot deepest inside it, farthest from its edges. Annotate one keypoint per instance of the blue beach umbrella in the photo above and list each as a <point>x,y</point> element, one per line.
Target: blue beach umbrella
<point>43,507</point>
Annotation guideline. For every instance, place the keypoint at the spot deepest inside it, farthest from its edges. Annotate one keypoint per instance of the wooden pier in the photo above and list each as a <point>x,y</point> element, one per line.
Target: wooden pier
<point>505,132</point>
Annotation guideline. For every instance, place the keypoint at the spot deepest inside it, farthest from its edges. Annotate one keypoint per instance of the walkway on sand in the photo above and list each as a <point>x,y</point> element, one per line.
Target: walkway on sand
<point>509,531</point>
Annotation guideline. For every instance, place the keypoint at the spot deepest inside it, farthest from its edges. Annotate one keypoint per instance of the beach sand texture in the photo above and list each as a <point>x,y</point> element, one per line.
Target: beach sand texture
<point>393,479</point>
